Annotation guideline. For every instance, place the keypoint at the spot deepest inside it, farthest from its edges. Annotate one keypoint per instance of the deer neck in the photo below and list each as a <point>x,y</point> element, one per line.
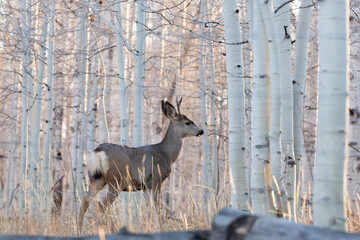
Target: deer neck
<point>171,143</point>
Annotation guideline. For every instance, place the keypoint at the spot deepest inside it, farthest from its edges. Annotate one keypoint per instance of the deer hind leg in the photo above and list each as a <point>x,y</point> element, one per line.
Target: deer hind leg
<point>95,186</point>
<point>110,198</point>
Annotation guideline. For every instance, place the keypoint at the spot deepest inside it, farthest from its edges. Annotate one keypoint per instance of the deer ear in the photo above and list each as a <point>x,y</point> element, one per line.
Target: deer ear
<point>169,110</point>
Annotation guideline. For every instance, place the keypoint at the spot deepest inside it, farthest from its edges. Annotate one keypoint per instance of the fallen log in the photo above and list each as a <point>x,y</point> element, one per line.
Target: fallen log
<point>231,224</point>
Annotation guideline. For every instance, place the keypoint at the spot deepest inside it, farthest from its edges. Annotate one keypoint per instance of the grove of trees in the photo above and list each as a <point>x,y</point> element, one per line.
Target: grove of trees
<point>273,84</point>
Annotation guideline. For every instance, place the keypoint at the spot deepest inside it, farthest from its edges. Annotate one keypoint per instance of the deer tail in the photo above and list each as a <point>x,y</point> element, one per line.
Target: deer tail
<point>98,165</point>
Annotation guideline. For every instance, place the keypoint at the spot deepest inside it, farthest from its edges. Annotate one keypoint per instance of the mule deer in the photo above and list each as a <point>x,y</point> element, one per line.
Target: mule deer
<point>133,169</point>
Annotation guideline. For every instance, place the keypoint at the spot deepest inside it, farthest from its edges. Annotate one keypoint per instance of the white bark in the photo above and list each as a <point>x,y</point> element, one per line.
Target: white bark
<point>139,61</point>
<point>206,171</point>
<point>302,31</point>
<point>92,94</point>
<point>260,117</point>
<point>282,20</point>
<point>48,116</point>
<point>36,112</point>
<point>247,62</point>
<point>239,194</point>
<point>214,131</point>
<point>103,130</point>
<point>79,77</point>
<point>274,130</point>
<point>10,177</point>
<point>332,148</point>
<point>25,70</point>
<point>80,181</point>
<point>124,134</point>
<point>353,175</point>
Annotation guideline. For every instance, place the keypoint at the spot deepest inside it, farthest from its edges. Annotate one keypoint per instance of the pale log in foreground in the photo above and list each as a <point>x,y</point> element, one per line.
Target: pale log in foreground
<point>133,169</point>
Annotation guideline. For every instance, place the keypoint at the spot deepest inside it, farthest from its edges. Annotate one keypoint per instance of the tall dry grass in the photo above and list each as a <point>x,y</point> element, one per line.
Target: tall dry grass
<point>182,211</point>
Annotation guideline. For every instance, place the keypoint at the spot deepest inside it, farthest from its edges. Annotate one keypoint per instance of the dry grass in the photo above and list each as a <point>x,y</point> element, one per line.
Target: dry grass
<point>182,212</point>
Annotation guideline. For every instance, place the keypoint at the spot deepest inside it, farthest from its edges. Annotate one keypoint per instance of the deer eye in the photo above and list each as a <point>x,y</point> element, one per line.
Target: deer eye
<point>188,123</point>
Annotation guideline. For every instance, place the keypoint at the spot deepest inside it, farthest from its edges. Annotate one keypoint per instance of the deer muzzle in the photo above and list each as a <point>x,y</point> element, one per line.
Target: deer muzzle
<point>201,132</point>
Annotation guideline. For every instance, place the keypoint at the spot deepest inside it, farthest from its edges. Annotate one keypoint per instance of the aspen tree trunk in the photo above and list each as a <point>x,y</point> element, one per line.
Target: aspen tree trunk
<point>103,130</point>
<point>139,59</point>
<point>302,31</point>
<point>353,161</point>
<point>260,167</point>
<point>48,116</point>
<point>139,62</point>
<point>36,120</point>
<point>92,91</point>
<point>214,151</point>
<point>310,114</point>
<point>205,139</point>
<point>282,20</point>
<point>274,130</point>
<point>223,180</point>
<point>247,62</point>
<point>10,183</point>
<point>332,151</point>
<point>236,112</point>
<point>79,77</point>
<point>81,179</point>
<point>25,70</point>
<point>58,163</point>
<point>121,71</point>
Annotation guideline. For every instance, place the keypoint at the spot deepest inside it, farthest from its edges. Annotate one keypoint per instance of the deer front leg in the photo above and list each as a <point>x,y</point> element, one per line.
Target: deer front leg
<point>156,194</point>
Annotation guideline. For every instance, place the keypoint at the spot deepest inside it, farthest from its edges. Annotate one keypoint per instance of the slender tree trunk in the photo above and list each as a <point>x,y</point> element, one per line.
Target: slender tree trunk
<point>25,70</point>
<point>274,130</point>
<point>48,116</point>
<point>236,111</point>
<point>310,114</point>
<point>207,171</point>
<point>302,31</point>
<point>58,163</point>
<point>214,132</point>
<point>247,63</point>
<point>122,88</point>
<point>260,179</point>
<point>92,90</point>
<point>139,72</point>
<point>353,180</point>
<point>36,121</point>
<point>79,78</point>
<point>10,183</point>
<point>332,151</point>
<point>139,62</point>
<point>81,170</point>
<point>282,20</point>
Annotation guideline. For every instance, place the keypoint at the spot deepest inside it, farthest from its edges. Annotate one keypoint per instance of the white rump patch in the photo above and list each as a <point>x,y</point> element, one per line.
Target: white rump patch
<point>99,162</point>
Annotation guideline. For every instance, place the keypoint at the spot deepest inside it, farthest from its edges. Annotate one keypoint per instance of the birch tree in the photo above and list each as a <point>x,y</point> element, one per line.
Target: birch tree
<point>260,117</point>
<point>283,28</point>
<point>79,81</point>
<point>25,70</point>
<point>139,58</point>
<point>48,115</point>
<point>10,185</point>
<point>302,31</point>
<point>124,134</point>
<point>274,129</point>
<point>205,139</point>
<point>332,147</point>
<point>36,120</point>
<point>236,112</point>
